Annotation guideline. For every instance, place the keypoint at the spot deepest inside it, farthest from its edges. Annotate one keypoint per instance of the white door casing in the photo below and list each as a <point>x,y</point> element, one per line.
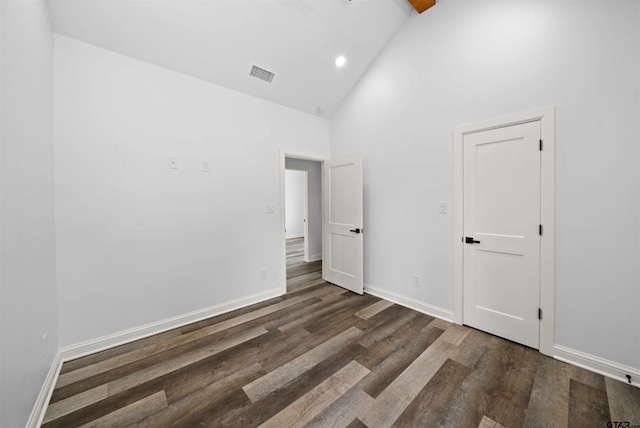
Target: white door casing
<point>501,229</point>
<point>546,119</point>
<point>342,228</point>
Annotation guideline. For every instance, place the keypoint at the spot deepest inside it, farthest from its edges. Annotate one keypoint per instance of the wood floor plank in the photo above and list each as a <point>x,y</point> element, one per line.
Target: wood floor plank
<point>472,348</point>
<point>169,350</point>
<point>398,395</point>
<point>430,405</point>
<point>305,271</point>
<point>217,341</point>
<point>303,410</point>
<point>196,406</point>
<point>370,311</point>
<point>110,404</point>
<point>455,334</point>
<point>388,371</point>
<point>193,377</point>
<point>120,360</point>
<point>324,313</point>
<point>320,322</point>
<point>259,412</point>
<point>313,306</point>
<point>303,288</point>
<point>549,400</point>
<point>357,423</point>
<point>343,411</point>
<point>228,315</point>
<point>487,422</point>
<point>97,357</point>
<point>624,401</point>
<point>511,395</point>
<point>75,402</point>
<point>285,373</point>
<point>132,414</point>
<point>294,348</point>
<point>157,370</point>
<point>588,406</point>
<point>248,316</point>
<point>292,345</point>
<point>386,323</point>
<point>299,281</point>
<point>392,343</point>
<point>470,403</point>
<point>442,324</point>
<point>586,377</point>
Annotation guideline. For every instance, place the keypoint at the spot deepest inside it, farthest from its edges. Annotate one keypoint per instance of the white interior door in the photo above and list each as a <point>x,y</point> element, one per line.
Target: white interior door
<point>343,233</point>
<point>501,278</point>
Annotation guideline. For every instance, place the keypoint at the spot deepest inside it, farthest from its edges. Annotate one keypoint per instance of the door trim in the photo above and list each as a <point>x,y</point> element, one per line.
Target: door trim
<point>546,116</point>
<point>283,236</point>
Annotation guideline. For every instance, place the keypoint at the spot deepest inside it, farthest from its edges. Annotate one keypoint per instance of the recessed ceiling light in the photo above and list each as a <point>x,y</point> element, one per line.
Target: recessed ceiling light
<point>340,61</point>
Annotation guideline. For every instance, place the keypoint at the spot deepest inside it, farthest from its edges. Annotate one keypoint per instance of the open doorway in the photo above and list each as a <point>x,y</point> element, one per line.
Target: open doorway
<point>302,221</point>
<point>296,187</point>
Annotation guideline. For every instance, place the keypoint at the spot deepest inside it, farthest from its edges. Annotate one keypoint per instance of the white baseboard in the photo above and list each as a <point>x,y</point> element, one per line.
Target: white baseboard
<point>40,407</point>
<point>315,258</point>
<point>88,347</point>
<point>410,303</point>
<point>297,235</point>
<point>116,339</point>
<point>596,364</point>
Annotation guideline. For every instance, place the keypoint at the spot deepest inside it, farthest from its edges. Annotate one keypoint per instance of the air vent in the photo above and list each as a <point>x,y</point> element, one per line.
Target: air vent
<point>262,74</point>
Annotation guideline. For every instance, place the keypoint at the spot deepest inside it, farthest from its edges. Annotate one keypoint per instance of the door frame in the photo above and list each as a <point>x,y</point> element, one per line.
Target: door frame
<point>283,236</point>
<point>546,116</point>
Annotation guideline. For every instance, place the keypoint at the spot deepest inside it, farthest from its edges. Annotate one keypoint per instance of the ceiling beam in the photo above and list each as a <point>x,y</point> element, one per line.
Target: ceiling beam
<point>422,5</point>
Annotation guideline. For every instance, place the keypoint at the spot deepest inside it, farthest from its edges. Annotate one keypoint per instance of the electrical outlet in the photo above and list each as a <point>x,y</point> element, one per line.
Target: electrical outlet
<point>206,166</point>
<point>443,207</point>
<point>263,274</point>
<point>416,280</point>
<point>271,208</point>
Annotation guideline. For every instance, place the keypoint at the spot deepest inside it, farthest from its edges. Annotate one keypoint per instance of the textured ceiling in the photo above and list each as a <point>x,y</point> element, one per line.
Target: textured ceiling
<point>220,40</point>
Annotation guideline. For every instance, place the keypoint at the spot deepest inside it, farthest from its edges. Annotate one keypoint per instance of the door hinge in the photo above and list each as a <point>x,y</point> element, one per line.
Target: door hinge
<point>540,229</point>
<point>539,313</point>
<point>540,145</point>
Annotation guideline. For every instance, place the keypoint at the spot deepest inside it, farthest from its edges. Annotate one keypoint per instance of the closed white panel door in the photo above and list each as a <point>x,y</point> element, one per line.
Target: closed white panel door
<point>501,278</point>
<point>343,237</point>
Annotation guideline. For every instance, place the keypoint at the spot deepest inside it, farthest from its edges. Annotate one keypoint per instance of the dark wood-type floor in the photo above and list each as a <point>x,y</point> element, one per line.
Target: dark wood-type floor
<point>324,357</point>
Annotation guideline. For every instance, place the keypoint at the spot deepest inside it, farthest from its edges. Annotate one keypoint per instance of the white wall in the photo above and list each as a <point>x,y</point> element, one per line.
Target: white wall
<point>294,196</point>
<point>463,62</point>
<point>314,178</point>
<point>27,245</point>
<point>139,242</point>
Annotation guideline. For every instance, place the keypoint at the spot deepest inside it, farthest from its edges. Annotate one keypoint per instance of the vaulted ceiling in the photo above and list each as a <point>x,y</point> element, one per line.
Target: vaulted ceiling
<point>220,40</point>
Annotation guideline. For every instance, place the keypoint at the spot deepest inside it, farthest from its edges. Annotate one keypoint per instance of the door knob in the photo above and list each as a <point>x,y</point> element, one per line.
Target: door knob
<point>356,230</point>
<point>470,240</point>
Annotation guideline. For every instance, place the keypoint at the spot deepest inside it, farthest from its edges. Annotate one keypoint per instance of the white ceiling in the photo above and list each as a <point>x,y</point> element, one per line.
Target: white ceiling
<point>219,40</point>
